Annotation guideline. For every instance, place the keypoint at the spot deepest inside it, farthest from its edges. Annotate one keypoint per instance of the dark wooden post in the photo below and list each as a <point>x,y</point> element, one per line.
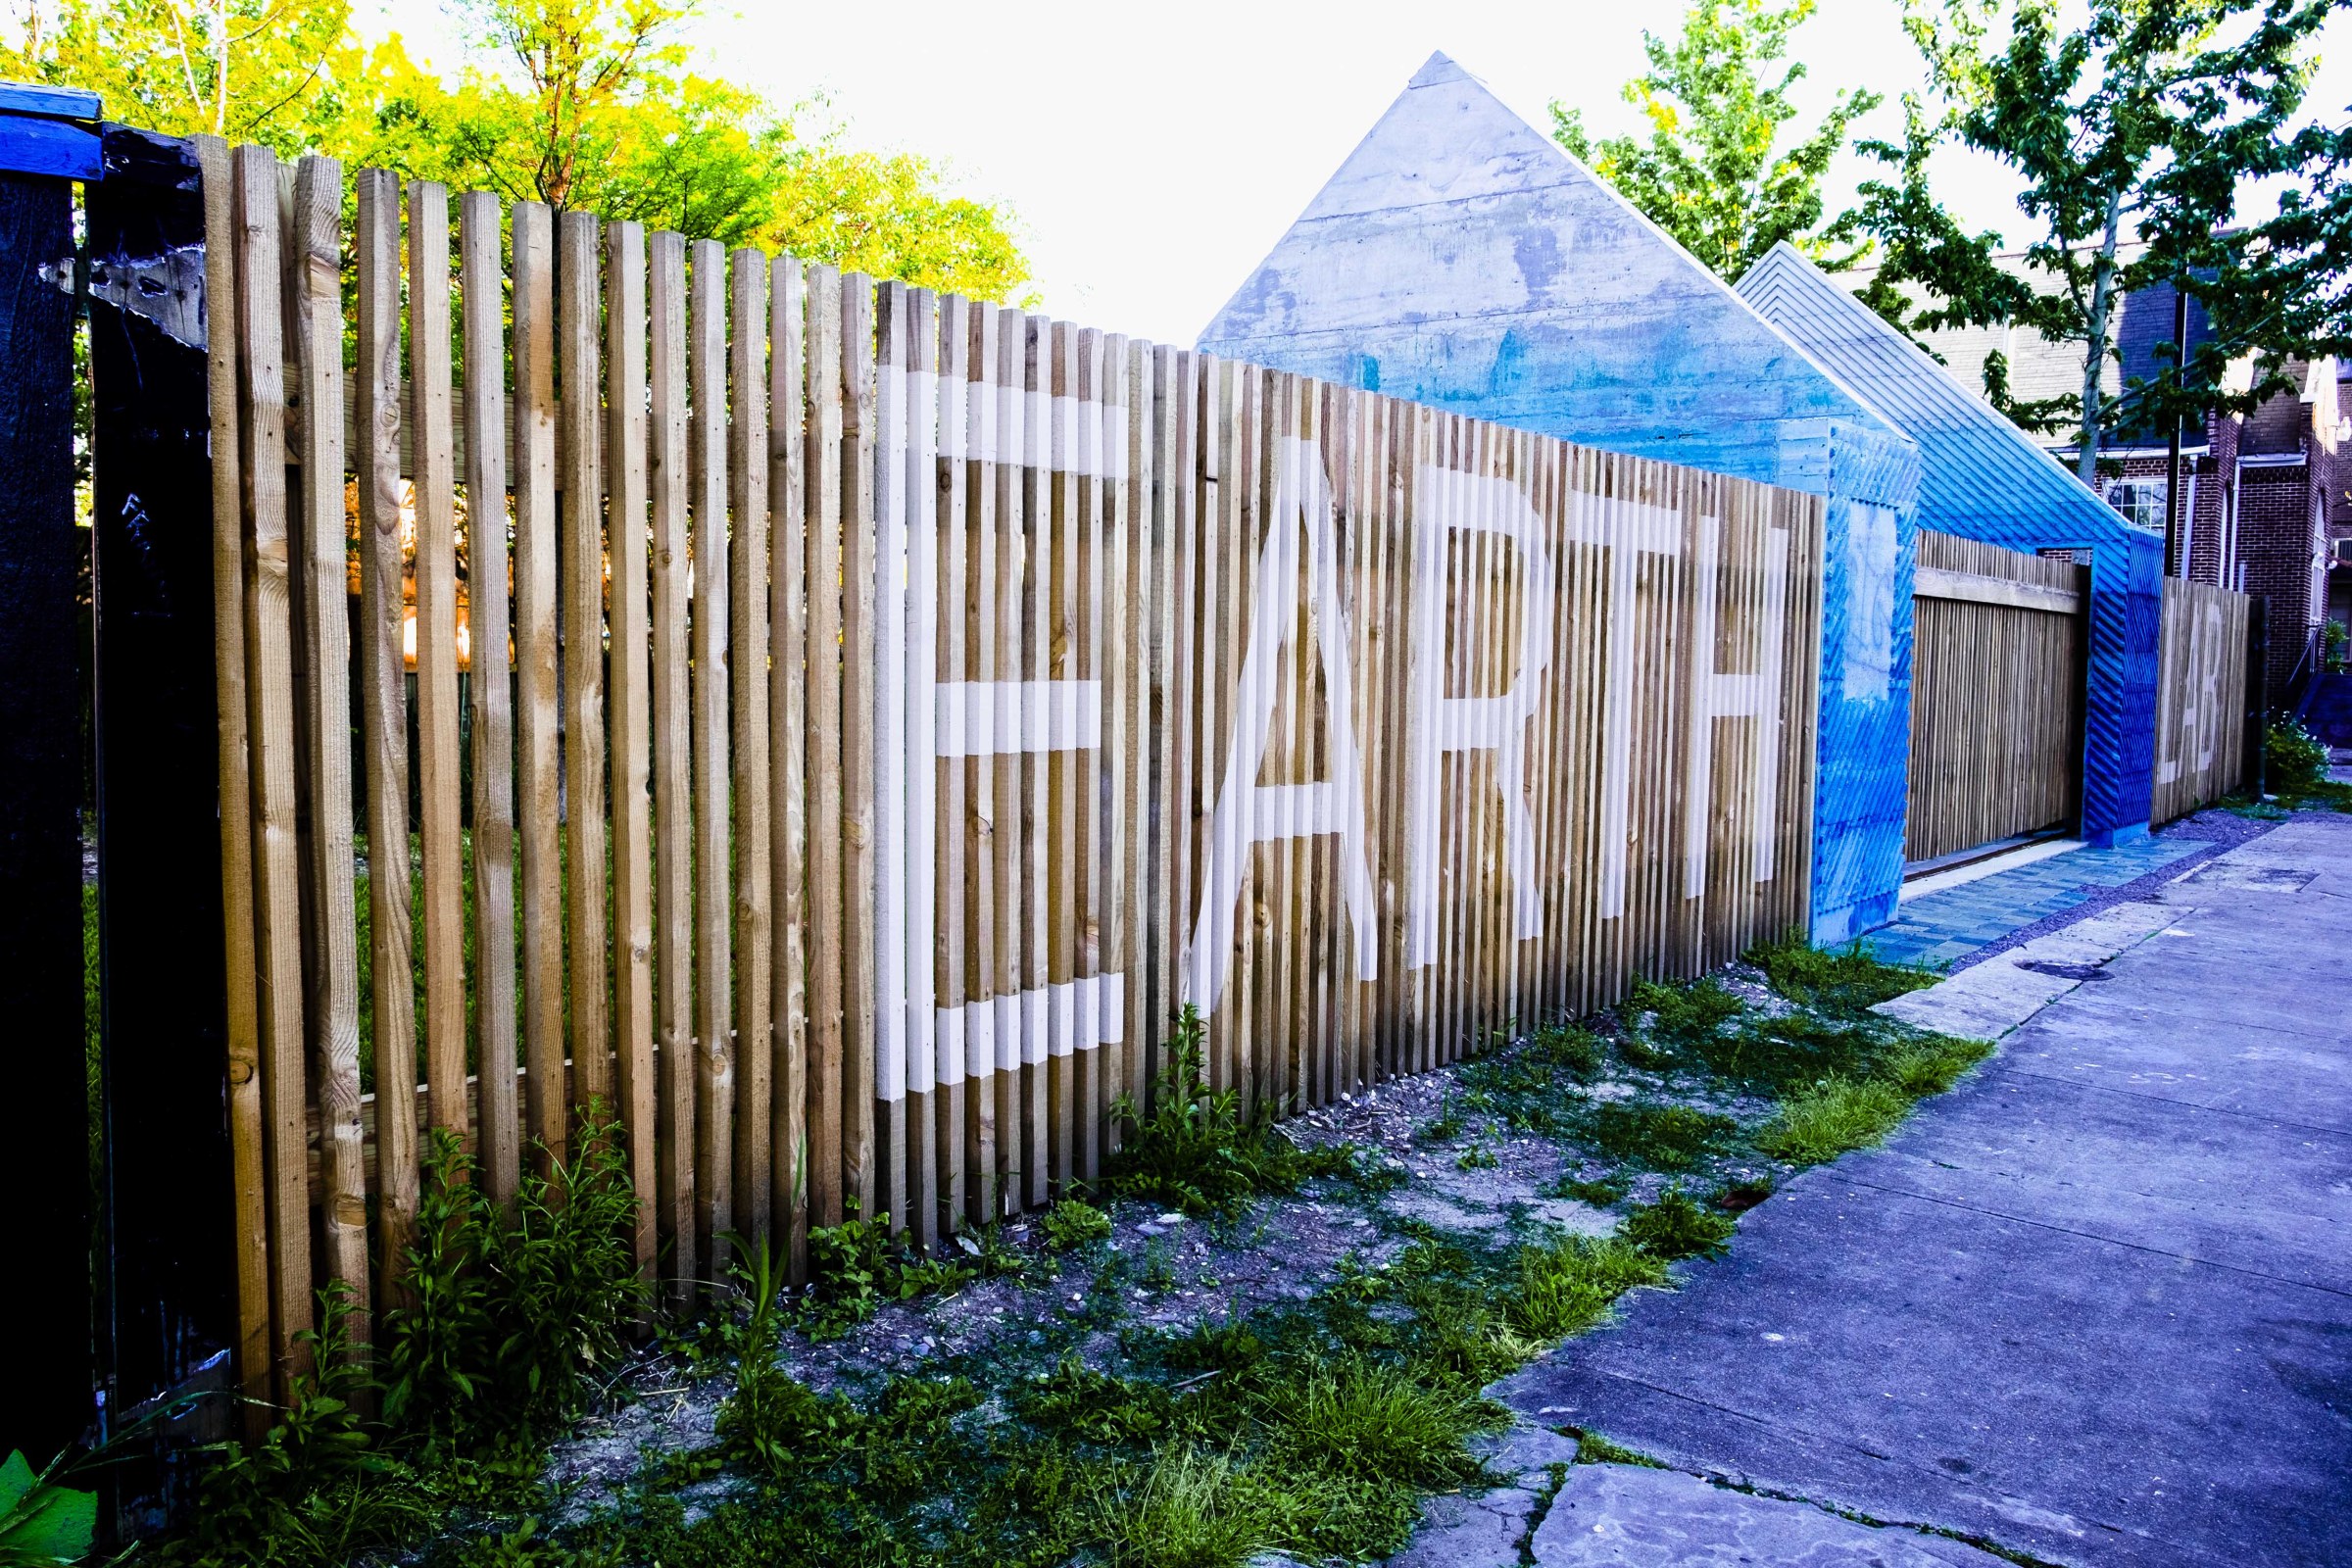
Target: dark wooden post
<point>45,1153</point>
<point>168,1283</point>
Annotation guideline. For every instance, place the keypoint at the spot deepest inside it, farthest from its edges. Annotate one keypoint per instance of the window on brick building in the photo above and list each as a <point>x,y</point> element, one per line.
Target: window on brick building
<point>2140,500</point>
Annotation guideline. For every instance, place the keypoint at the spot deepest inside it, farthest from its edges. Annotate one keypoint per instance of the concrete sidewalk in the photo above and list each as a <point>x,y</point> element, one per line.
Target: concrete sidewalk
<point>2092,1307</point>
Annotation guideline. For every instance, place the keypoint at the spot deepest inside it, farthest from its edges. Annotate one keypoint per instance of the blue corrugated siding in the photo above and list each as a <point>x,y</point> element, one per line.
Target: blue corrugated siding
<point>1983,479</point>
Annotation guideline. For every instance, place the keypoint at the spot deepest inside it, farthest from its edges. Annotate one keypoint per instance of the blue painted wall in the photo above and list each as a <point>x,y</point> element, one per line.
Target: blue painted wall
<point>1983,479</point>
<point>1459,257</point>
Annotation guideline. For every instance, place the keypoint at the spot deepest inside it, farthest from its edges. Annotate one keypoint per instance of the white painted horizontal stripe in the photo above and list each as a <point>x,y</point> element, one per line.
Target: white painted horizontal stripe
<point>1054,715</point>
<point>1094,436</point>
<point>1090,1012</point>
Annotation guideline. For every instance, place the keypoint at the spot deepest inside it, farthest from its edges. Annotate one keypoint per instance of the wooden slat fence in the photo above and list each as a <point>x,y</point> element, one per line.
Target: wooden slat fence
<point>888,708</point>
<point>2200,696</point>
<point>1996,695</point>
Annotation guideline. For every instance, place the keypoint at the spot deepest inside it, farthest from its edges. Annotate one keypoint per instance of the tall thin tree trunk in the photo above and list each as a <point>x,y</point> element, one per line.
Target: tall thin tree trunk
<point>2094,348</point>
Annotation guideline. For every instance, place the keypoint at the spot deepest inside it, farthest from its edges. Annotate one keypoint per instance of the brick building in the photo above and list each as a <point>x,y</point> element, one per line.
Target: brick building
<point>2265,508</point>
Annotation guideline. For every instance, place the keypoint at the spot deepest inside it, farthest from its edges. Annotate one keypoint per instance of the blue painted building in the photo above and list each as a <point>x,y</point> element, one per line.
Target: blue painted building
<point>1459,257</point>
<point>1983,479</point>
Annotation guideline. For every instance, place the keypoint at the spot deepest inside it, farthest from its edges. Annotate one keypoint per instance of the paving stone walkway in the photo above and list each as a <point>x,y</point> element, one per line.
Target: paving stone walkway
<point>1950,925</point>
<point>2092,1307</point>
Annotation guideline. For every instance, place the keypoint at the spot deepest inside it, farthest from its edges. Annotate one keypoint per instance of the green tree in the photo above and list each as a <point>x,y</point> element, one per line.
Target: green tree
<point>590,104</point>
<point>2135,137</point>
<point>281,73</point>
<point>1717,171</point>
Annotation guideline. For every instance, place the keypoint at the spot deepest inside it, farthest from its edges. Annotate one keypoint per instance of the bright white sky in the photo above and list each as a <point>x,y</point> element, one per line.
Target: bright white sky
<point>1155,154</point>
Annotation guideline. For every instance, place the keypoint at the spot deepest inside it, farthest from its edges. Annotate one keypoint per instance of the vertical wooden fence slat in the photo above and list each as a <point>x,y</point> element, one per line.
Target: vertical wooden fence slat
<point>861,580</point>
<point>975,616</point>
<point>893,329</point>
<point>626,485</point>
<point>537,732</point>
<point>581,569</point>
<point>492,691</point>
<point>748,440</point>
<point>440,822</point>
<point>787,706</point>
<point>941,504</point>
<point>241,990</point>
<point>672,707</point>
<point>714,1017</point>
<point>827,955</point>
<point>315,254</point>
<point>270,693</point>
<point>384,718</point>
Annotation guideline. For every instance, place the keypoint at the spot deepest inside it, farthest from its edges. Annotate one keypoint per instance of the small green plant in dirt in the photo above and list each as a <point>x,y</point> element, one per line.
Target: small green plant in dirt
<point>1222,1345</point>
<point>1193,1151</point>
<point>1679,1015</point>
<point>1655,1133</point>
<point>1528,1085</point>
<point>1848,979</point>
<point>1676,1227</point>
<point>1092,1405</point>
<point>1776,1055</point>
<point>1074,1222</point>
<point>1569,1285</point>
<point>1833,1117</point>
<point>1445,1126</point>
<point>1603,1193</point>
<point>1478,1156</point>
<point>857,1267</point>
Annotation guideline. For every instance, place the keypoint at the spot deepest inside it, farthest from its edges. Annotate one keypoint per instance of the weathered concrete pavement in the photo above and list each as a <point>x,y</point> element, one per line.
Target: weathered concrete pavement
<point>2095,1306</point>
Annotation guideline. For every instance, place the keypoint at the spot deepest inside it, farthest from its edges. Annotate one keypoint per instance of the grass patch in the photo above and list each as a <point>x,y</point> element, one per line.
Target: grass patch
<point>1655,1133</point>
<point>1833,1117</point>
<point>1676,1227</point>
<point>1682,1014</point>
<point>1932,1063</point>
<point>1569,1285</point>
<point>1604,1193</point>
<point>1848,979</point>
<point>1594,1449</point>
<point>1074,1222</point>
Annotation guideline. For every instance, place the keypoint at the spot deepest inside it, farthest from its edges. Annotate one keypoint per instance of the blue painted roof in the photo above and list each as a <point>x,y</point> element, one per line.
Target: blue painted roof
<point>1980,473</point>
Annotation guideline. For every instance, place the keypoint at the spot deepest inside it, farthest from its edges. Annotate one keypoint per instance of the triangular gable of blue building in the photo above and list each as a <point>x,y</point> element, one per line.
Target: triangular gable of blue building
<point>1459,257</point>
<point>1983,479</point>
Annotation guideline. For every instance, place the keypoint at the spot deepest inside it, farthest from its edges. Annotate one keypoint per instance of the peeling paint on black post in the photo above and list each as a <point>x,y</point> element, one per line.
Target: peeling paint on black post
<point>44,1155</point>
<point>167,1287</point>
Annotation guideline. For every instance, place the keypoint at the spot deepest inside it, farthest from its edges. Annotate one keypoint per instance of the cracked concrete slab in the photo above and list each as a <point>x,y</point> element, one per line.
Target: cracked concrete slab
<point>1987,999</point>
<point>1626,1516</point>
<point>2092,1305</point>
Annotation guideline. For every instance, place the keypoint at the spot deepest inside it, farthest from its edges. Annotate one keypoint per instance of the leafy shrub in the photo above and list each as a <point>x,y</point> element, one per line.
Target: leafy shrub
<point>1667,1137</point>
<point>1849,979</point>
<point>2295,761</point>
<point>1194,1153</point>
<point>42,1520</point>
<point>1073,1222</point>
<point>1568,1284</point>
<point>1833,1117</point>
<point>506,1316</point>
<point>1675,1227</point>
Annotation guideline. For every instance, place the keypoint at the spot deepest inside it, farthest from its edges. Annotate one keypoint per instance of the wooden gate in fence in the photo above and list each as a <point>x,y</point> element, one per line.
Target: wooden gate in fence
<point>1996,695</point>
<point>2200,697</point>
<point>886,710</point>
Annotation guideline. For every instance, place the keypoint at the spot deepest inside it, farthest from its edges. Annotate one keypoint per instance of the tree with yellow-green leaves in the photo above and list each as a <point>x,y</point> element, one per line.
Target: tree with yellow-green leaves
<point>582,104</point>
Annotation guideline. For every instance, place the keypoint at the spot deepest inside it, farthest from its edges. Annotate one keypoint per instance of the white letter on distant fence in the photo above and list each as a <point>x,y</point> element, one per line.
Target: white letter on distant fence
<point>1445,501</point>
<point>1248,812</point>
<point>1733,694</point>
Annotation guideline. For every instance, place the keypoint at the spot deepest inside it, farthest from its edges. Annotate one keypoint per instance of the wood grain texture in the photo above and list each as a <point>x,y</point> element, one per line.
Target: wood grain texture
<point>631,677</point>
<point>241,982</point>
<point>492,690</point>
<point>581,572</point>
<point>828,1090</point>
<point>788,733</point>
<point>440,821</point>
<point>713,980</point>
<point>384,718</point>
<point>2201,711</point>
<point>669,478</point>
<point>748,550</point>
<point>269,726</point>
<point>314,313</point>
<point>1997,698</point>
<point>538,738</point>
